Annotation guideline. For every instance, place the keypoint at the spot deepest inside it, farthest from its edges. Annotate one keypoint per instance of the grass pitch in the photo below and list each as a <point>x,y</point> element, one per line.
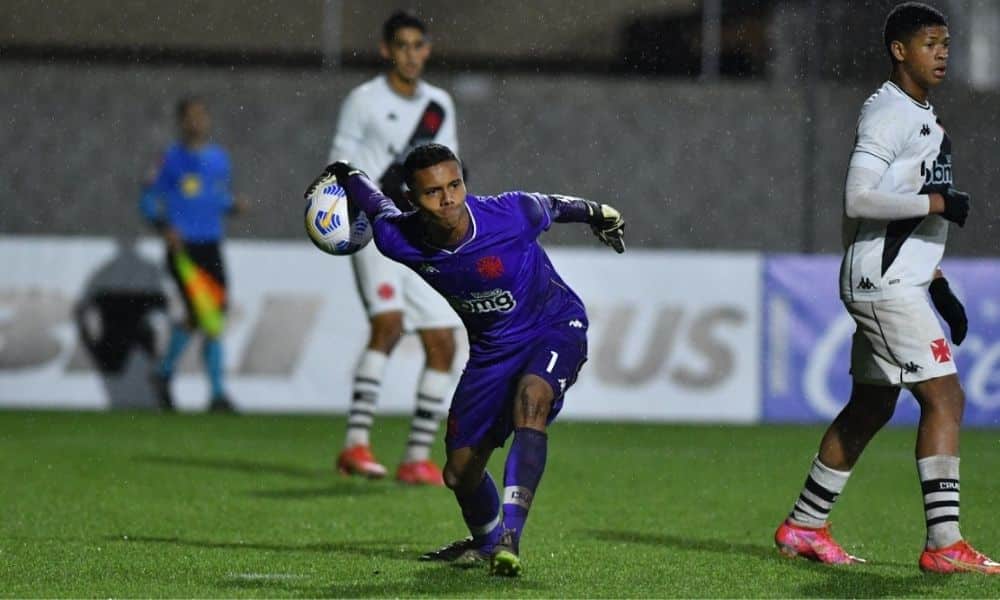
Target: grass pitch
<point>127,505</point>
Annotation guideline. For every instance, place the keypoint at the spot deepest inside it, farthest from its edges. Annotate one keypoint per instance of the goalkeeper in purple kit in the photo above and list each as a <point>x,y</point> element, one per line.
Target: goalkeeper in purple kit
<point>527,329</point>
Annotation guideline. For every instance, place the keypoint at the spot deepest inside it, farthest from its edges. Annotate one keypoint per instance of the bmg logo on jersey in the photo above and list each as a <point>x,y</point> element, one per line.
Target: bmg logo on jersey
<point>485,302</point>
<point>939,171</point>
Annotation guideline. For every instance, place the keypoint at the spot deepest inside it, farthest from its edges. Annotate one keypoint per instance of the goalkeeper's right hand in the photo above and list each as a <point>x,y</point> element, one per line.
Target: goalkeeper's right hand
<point>341,170</point>
<point>608,225</point>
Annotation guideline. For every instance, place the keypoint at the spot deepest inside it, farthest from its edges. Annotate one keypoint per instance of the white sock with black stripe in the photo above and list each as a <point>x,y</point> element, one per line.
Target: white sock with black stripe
<point>823,486</point>
<point>430,407</point>
<point>939,483</point>
<point>367,385</point>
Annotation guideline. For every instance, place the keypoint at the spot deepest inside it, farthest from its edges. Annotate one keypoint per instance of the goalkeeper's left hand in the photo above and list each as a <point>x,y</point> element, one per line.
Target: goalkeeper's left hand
<point>950,308</point>
<point>609,227</point>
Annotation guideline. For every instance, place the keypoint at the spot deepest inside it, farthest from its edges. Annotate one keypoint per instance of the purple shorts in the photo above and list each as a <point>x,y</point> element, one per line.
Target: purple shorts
<point>482,408</point>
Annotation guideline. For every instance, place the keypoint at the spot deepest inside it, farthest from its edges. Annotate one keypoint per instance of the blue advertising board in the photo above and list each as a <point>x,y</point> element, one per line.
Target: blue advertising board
<point>807,333</point>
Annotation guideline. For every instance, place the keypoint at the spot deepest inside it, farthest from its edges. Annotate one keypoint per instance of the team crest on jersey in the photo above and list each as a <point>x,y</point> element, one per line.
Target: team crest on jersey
<point>490,267</point>
<point>432,120</point>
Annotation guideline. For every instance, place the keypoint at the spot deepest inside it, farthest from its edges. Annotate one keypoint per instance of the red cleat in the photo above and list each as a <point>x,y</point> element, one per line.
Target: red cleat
<point>959,557</point>
<point>815,544</point>
<point>420,472</point>
<point>359,460</point>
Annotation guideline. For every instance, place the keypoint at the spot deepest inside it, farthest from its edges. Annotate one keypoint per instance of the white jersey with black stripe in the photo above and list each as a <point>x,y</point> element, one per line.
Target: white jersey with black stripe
<point>377,127</point>
<point>902,139</point>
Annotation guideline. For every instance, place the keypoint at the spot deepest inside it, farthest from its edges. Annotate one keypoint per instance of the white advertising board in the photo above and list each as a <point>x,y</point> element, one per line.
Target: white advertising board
<point>674,335</point>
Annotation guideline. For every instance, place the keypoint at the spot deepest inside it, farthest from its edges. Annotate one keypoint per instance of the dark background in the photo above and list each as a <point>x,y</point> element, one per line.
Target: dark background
<point>608,102</point>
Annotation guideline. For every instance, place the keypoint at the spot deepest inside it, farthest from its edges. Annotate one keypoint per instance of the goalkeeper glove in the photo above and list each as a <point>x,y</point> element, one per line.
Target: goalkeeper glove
<point>956,207</point>
<point>341,170</point>
<point>950,309</point>
<point>607,224</point>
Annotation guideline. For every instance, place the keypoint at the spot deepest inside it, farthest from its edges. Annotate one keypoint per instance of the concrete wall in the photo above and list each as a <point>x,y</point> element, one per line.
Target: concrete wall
<point>514,28</point>
<point>692,166</point>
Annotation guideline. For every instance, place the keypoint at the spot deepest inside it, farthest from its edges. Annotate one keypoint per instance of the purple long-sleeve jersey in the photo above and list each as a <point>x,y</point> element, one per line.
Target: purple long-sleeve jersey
<point>499,279</point>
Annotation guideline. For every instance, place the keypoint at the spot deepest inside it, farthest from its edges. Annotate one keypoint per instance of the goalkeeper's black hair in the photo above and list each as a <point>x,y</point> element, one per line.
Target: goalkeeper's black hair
<point>907,19</point>
<point>425,156</point>
<point>399,20</point>
<point>185,103</point>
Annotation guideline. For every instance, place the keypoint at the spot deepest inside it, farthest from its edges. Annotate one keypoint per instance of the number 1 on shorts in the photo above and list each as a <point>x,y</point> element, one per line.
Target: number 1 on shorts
<point>552,361</point>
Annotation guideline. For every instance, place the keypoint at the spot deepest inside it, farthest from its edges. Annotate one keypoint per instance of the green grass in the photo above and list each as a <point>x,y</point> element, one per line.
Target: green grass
<point>130,505</point>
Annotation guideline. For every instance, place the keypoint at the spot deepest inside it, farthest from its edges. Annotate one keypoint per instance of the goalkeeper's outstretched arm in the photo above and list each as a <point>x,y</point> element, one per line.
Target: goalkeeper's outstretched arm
<point>360,190</point>
<point>604,220</point>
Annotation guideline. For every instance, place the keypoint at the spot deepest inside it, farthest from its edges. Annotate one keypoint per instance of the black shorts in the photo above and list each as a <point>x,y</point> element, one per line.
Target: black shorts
<point>208,256</point>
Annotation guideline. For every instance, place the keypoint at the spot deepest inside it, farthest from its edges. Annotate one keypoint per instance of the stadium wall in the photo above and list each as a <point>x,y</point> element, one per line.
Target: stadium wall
<point>699,166</point>
<point>738,337</point>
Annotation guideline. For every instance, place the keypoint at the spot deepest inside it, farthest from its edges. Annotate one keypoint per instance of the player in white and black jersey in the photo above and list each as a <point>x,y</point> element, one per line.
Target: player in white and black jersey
<point>899,200</point>
<point>380,122</point>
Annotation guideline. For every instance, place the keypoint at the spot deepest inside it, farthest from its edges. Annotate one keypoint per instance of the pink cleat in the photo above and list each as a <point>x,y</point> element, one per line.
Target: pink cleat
<point>815,544</point>
<point>959,557</point>
<point>359,460</point>
<point>420,472</point>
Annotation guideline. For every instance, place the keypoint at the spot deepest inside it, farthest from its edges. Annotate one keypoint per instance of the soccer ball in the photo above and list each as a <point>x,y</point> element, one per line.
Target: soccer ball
<point>334,225</point>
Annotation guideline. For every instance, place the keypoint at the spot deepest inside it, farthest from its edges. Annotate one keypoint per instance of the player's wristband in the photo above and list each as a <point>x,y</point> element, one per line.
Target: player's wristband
<point>570,209</point>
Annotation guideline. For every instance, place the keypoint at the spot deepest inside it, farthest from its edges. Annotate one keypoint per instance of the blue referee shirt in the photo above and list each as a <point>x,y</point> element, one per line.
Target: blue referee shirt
<point>191,193</point>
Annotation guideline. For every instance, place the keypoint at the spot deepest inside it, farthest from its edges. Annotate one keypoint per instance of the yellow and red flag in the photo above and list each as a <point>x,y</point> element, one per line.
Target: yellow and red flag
<point>203,291</point>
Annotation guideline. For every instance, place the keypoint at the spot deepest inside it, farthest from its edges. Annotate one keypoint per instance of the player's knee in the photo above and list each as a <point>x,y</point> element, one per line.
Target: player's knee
<point>386,330</point>
<point>439,348</point>
<point>944,400</point>
<point>879,414</point>
<point>532,405</point>
<point>460,479</point>
<point>944,395</point>
<point>870,407</point>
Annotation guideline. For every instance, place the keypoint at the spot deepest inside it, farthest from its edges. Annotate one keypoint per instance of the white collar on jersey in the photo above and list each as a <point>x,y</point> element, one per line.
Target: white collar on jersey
<point>472,218</point>
<point>926,105</point>
<point>418,91</point>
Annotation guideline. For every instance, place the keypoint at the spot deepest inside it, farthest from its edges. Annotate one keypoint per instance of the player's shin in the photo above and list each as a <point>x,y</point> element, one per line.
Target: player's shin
<point>481,511</point>
<point>940,485</point>
<point>430,403</point>
<point>821,490</point>
<point>367,385</point>
<point>523,471</point>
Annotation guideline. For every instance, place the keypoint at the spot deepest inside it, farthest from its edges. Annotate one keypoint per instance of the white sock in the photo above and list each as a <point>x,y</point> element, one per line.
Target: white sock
<point>939,483</point>
<point>367,385</point>
<point>823,486</point>
<point>430,408</point>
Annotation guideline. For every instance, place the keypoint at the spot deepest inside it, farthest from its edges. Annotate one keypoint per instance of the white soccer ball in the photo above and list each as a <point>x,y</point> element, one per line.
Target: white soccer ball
<point>334,225</point>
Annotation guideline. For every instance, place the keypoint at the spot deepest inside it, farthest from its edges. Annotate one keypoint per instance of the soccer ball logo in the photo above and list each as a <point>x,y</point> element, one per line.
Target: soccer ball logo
<point>332,223</point>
